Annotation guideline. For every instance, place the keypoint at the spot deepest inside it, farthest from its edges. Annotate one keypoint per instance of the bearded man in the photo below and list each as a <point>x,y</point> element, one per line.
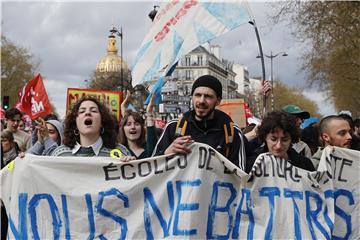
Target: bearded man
<point>204,124</point>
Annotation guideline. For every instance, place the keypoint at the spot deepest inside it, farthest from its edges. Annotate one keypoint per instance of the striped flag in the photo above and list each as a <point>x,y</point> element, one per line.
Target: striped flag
<point>178,28</point>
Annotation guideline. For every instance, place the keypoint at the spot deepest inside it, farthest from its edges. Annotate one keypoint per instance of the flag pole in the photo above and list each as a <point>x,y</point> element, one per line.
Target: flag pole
<point>252,22</point>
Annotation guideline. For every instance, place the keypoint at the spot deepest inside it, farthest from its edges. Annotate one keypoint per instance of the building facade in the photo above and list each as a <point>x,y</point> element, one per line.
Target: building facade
<point>242,79</point>
<point>203,60</point>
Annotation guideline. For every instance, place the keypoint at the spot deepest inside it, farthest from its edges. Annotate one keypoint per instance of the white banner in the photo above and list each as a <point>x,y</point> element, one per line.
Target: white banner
<point>192,196</point>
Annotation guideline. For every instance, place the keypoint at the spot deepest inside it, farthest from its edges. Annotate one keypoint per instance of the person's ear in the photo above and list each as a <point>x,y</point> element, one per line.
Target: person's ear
<point>218,101</point>
<point>325,137</point>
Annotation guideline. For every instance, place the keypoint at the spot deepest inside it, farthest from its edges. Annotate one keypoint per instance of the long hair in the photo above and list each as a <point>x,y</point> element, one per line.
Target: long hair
<point>137,118</point>
<point>278,120</point>
<point>108,135</point>
<point>8,135</point>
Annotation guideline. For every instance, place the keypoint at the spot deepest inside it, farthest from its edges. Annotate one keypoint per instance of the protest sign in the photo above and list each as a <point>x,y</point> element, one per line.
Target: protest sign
<point>235,109</point>
<point>111,99</point>
<point>182,196</point>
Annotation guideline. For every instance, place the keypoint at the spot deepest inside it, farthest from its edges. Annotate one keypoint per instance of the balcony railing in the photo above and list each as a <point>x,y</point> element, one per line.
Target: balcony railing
<point>232,84</point>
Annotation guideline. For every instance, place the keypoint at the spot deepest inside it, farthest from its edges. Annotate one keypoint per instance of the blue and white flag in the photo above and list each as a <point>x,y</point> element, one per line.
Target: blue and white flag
<point>178,28</point>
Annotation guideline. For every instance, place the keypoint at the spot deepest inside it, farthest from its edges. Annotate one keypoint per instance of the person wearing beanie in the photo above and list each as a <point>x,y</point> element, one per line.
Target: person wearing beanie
<point>204,124</point>
<point>50,134</point>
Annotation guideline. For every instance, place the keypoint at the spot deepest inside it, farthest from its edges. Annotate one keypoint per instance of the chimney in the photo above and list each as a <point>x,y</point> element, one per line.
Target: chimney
<point>215,49</point>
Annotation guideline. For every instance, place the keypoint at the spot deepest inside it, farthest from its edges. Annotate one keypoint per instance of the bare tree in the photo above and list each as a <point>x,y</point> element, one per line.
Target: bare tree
<point>331,29</point>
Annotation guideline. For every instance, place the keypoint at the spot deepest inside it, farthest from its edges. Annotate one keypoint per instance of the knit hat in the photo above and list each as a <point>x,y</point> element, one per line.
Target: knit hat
<point>296,111</point>
<point>210,82</point>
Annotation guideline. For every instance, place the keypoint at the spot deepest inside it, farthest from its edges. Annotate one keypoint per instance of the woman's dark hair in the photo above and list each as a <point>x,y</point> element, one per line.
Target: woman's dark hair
<point>108,135</point>
<point>137,118</point>
<point>311,135</point>
<point>278,120</point>
<point>12,112</point>
<point>8,135</point>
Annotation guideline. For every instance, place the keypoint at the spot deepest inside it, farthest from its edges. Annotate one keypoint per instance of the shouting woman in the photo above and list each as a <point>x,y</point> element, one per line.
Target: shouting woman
<point>89,131</point>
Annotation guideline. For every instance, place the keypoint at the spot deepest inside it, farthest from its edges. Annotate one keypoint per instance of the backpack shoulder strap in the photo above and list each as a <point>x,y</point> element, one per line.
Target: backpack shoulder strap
<point>229,135</point>
<point>229,132</point>
<point>181,125</point>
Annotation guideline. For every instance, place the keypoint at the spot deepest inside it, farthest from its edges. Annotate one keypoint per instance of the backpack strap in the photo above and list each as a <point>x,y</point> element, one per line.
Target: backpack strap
<point>181,125</point>
<point>229,136</point>
<point>228,131</point>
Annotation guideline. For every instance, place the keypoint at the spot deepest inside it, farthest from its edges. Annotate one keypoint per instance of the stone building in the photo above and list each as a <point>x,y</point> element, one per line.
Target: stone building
<point>203,60</point>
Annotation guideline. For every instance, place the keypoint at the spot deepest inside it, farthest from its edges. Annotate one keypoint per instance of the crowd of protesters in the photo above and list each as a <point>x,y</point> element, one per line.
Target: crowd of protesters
<point>89,130</point>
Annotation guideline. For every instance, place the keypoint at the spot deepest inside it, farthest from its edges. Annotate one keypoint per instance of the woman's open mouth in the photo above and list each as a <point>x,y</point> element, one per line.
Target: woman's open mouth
<point>133,132</point>
<point>88,122</point>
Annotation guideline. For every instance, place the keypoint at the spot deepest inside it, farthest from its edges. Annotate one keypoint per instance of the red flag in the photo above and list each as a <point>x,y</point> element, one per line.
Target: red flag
<point>33,98</point>
<point>2,113</point>
<point>18,104</point>
<point>248,113</point>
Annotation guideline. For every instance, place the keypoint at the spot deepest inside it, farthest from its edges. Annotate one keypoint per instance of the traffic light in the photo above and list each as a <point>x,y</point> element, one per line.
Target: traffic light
<point>6,102</point>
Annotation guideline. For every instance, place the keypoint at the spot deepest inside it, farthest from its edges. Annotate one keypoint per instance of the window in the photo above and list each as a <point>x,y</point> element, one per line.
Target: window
<point>188,74</point>
<point>200,60</point>
<point>187,61</point>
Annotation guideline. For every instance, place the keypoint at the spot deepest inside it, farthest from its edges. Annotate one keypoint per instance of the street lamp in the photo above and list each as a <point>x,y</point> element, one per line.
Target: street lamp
<point>153,13</point>
<point>120,34</point>
<point>252,22</point>
<point>272,56</point>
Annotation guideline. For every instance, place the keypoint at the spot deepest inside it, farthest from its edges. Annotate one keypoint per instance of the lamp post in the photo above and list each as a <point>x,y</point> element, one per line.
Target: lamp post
<point>272,56</point>
<point>120,34</point>
<point>252,22</point>
<point>153,13</point>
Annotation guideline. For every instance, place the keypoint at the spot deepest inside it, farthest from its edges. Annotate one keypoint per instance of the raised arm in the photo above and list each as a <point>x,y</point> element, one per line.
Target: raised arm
<point>125,103</point>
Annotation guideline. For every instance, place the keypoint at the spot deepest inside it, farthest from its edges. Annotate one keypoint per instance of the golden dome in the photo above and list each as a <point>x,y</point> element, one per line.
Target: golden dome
<point>112,61</point>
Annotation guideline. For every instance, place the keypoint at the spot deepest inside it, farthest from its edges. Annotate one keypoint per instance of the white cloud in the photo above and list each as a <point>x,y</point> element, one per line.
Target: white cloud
<point>325,105</point>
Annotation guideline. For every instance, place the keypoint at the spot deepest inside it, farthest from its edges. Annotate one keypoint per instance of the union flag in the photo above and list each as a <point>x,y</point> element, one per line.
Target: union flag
<point>34,100</point>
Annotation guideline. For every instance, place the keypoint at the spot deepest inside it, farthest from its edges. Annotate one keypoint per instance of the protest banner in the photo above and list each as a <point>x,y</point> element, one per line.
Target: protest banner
<point>182,196</point>
<point>111,99</point>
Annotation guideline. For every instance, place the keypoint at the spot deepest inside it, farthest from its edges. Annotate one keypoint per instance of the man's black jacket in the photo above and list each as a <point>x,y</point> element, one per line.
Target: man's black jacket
<point>210,132</point>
